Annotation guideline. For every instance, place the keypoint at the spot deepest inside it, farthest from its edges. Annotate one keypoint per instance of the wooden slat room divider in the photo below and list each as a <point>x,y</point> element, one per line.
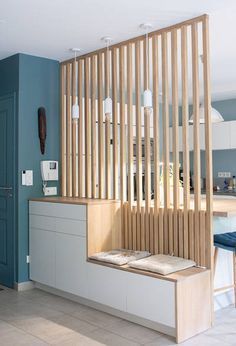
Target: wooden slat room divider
<point>128,155</point>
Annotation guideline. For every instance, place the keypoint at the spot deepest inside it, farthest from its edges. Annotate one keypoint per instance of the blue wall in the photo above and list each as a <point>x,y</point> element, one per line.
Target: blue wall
<point>9,75</point>
<point>38,86</point>
<point>36,83</point>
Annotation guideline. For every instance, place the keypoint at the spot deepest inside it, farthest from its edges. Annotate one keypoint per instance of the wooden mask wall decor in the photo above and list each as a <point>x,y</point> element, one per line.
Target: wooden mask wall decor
<point>42,128</point>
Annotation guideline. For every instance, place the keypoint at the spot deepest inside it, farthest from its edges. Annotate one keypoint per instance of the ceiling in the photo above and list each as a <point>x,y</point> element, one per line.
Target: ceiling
<point>49,28</point>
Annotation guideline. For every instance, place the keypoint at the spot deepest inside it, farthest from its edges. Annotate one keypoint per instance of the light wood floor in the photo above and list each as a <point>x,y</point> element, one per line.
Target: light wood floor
<point>38,318</point>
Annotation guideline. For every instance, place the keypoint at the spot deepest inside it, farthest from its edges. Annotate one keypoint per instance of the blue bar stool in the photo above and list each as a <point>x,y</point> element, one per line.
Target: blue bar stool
<point>226,241</point>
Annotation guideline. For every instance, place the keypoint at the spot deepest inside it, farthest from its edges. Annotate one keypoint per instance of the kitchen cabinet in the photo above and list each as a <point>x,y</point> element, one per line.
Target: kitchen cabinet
<point>223,136</point>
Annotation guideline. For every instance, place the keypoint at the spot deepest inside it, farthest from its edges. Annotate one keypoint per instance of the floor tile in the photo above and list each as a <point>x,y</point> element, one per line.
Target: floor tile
<point>110,339</point>
<point>74,324</point>
<point>95,317</point>
<point>44,329</point>
<point>133,331</point>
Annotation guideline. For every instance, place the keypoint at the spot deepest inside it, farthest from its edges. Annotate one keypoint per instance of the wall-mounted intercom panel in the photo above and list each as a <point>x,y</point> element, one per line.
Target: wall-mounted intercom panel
<point>49,170</point>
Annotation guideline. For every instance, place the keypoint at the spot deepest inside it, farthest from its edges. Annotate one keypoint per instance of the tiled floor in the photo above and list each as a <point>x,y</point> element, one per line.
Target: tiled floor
<point>39,318</point>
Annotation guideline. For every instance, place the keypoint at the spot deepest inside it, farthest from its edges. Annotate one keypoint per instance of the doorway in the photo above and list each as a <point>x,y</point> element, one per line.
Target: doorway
<point>7,190</point>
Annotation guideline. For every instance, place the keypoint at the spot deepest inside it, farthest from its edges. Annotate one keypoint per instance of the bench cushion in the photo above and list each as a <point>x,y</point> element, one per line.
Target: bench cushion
<point>119,257</point>
<point>226,241</point>
<point>162,264</point>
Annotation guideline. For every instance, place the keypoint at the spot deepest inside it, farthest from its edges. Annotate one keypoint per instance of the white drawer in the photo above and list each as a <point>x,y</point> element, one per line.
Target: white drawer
<point>151,298</point>
<point>67,211</point>
<point>107,286</point>
<point>67,226</point>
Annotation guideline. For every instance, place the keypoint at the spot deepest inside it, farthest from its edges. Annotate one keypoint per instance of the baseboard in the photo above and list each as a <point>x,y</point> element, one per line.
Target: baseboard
<point>24,286</point>
<point>112,311</point>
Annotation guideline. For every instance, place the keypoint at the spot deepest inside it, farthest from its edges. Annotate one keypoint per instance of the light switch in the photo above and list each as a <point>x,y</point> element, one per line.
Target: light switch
<point>27,177</point>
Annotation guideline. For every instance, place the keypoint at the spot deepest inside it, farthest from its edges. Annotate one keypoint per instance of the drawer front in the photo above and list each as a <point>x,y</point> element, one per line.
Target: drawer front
<point>151,298</point>
<point>107,286</point>
<point>67,226</point>
<point>67,211</point>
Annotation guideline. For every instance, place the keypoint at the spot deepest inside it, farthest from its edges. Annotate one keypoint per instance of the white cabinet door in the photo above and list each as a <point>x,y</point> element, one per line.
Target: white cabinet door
<point>42,256</point>
<point>232,134</point>
<point>151,298</point>
<point>221,136</point>
<point>71,274</point>
<point>107,286</point>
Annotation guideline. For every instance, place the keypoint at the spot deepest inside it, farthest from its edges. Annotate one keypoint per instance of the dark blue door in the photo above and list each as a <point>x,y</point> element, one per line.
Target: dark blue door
<point>7,215</point>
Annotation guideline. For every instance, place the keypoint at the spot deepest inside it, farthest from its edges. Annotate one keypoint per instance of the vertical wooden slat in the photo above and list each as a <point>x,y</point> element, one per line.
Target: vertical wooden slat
<point>185,120</point>
<point>208,144</point>
<point>156,139</point>
<point>107,127</point>
<point>171,234</point>
<point>130,137</point>
<point>134,231</point>
<point>181,233</point>
<point>165,112</point>
<point>74,129</point>
<point>115,126</point>
<point>202,238</point>
<point>156,231</point>
<point>161,230</point>
<point>151,227</point>
<point>87,132</point>
<point>147,169</point>
<point>63,127</point>
<point>175,114</point>
<point>122,128</point>
<point>191,234</point>
<point>81,129</point>
<point>108,155</point>
<point>156,136</point>
<point>143,238</point>
<point>166,159</point>
<point>196,134</point>
<point>68,130</point>
<point>125,218</point>
<point>93,127</point>
<point>138,140</point>
<point>100,127</point>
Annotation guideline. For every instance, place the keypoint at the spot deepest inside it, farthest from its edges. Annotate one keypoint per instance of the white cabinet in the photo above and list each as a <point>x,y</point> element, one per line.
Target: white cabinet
<point>232,134</point>
<point>42,256</point>
<point>57,234</point>
<point>70,268</point>
<point>221,136</point>
<point>151,298</point>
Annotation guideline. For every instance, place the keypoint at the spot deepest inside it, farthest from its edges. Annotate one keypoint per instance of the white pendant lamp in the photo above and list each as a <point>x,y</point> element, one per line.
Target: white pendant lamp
<point>147,94</point>
<point>216,117</point>
<point>108,100</point>
<point>75,107</point>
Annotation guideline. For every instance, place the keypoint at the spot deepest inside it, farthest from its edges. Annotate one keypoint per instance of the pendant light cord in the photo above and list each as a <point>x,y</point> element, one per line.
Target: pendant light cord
<point>147,58</point>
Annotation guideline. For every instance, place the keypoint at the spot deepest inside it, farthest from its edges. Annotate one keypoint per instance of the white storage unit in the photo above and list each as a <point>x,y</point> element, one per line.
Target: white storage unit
<point>60,236</point>
<point>58,246</point>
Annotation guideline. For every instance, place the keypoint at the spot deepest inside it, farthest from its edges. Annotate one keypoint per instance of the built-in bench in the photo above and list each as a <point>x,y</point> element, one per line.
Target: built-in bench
<point>64,232</point>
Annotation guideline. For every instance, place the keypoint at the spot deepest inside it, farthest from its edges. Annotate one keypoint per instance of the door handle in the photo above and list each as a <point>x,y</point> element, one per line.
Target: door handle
<point>5,188</point>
